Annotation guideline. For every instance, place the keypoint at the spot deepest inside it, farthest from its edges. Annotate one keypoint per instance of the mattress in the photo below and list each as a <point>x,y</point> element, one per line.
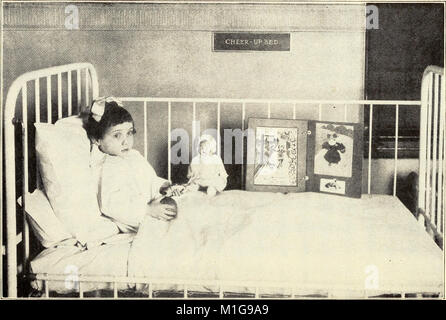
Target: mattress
<point>70,261</point>
<point>306,242</point>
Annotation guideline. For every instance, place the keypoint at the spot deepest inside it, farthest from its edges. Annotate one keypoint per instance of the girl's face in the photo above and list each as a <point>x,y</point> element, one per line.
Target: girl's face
<point>117,140</point>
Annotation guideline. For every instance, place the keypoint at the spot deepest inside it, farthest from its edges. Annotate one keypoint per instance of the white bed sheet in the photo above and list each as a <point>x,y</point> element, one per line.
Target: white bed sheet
<point>311,241</point>
<point>70,261</point>
<point>314,242</point>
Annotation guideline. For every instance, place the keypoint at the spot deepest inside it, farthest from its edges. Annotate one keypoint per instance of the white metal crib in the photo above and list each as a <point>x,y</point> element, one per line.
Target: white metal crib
<point>85,87</point>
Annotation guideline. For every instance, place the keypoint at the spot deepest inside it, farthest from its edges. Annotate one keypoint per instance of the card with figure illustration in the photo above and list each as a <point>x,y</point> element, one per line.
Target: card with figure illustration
<point>334,158</point>
<point>276,155</point>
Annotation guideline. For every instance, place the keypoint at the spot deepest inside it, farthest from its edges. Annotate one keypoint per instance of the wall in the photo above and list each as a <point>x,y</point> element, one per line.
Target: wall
<point>166,50</point>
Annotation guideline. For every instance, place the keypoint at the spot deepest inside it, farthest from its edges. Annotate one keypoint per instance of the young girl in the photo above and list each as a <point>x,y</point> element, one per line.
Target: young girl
<point>127,184</point>
<point>206,169</point>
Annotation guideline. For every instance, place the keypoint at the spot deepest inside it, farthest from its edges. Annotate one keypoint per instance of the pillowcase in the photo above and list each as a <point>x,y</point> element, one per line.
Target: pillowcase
<point>47,228</point>
<point>73,123</point>
<point>63,152</point>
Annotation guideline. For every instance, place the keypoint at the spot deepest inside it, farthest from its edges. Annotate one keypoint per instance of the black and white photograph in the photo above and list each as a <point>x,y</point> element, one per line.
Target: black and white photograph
<point>221,150</point>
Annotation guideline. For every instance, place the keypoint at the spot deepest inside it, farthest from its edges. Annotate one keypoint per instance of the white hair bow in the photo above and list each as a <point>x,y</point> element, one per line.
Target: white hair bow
<point>98,106</point>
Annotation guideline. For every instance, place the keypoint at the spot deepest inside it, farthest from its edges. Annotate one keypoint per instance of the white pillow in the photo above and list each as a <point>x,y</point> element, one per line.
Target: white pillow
<point>47,228</point>
<point>73,123</point>
<point>63,153</point>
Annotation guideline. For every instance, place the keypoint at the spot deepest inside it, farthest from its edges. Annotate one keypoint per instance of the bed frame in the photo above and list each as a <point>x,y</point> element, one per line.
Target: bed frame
<point>81,84</point>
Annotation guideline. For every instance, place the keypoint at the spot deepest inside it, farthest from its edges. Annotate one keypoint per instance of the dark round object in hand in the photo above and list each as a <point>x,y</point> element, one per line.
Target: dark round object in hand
<point>171,202</point>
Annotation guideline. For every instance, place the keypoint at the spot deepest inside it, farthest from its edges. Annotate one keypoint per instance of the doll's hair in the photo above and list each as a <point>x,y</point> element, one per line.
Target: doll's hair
<point>207,139</point>
<point>113,115</point>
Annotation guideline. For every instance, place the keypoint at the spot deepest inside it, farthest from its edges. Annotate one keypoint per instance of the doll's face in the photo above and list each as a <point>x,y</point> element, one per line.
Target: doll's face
<point>205,148</point>
<point>117,140</point>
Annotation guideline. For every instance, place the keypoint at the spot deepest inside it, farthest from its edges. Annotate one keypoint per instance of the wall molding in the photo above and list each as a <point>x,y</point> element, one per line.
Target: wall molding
<point>188,17</point>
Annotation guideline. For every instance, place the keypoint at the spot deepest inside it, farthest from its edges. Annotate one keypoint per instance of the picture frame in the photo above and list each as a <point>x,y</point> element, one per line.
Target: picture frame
<point>276,155</point>
<point>334,158</point>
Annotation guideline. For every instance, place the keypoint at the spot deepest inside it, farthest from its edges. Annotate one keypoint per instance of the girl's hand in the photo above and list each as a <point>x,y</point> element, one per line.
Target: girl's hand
<point>161,211</point>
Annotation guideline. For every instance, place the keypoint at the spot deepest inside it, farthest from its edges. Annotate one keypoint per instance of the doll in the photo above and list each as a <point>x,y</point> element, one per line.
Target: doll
<point>206,169</point>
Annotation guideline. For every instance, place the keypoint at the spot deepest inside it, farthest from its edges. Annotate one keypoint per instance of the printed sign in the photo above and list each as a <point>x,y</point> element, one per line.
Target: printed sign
<point>250,41</point>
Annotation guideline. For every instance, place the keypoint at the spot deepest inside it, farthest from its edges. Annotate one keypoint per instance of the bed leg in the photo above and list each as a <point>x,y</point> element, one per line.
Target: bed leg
<point>220,292</point>
<point>47,288</point>
<point>185,291</point>
<point>421,221</point>
<point>81,290</point>
<point>115,289</point>
<point>150,291</point>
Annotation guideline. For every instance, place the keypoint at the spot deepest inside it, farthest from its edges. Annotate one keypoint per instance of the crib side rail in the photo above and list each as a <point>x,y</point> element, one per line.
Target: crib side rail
<point>432,181</point>
<point>13,118</point>
<point>266,108</point>
<point>257,289</point>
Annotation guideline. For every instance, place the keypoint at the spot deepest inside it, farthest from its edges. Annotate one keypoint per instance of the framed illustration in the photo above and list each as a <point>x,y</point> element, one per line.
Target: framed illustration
<point>334,158</point>
<point>276,155</point>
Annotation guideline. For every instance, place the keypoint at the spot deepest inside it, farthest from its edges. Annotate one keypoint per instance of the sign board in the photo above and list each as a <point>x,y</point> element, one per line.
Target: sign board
<point>251,41</point>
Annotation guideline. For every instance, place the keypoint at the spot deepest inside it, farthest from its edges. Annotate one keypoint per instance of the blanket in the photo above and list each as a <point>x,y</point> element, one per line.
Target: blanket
<point>301,240</point>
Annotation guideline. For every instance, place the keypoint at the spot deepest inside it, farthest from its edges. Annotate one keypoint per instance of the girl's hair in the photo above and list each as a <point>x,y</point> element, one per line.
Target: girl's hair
<point>113,115</point>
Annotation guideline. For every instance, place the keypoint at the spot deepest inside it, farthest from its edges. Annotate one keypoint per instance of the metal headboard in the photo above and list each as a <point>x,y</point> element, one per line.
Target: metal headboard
<point>86,78</point>
<point>432,181</point>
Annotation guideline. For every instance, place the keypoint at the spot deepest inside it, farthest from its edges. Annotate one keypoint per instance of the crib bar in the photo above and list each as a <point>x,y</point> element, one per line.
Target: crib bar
<point>11,245</point>
<point>169,124</point>
<point>115,289</point>
<point>218,283</point>
<point>87,78</point>
<point>81,290</point>
<point>79,90</point>
<point>37,99</point>
<point>242,178</point>
<point>434,155</point>
<point>369,175</point>
<point>150,290</point>
<point>220,292</point>
<point>218,129</point>
<point>37,111</point>
<point>59,95</point>
<point>415,103</point>
<point>48,99</point>
<point>25,174</point>
<point>194,131</point>
<point>70,102</point>
<point>423,146</point>
<point>185,291</point>
<point>395,170</point>
<point>47,288</point>
<point>440,140</point>
<point>441,159</point>
<point>145,130</point>
<point>429,155</point>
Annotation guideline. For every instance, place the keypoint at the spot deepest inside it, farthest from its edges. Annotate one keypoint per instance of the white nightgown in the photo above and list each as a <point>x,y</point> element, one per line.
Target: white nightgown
<point>125,185</point>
